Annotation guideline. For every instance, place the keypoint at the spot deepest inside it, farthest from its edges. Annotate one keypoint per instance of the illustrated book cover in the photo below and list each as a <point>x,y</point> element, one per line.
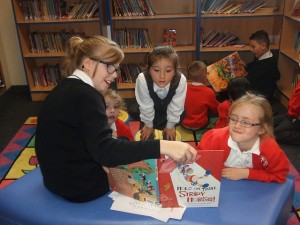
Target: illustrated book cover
<point>191,185</point>
<point>136,180</point>
<point>222,71</point>
<point>169,184</point>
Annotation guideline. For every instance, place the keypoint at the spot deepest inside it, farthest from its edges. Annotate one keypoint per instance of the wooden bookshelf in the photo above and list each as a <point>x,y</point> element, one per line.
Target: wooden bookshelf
<point>31,60</point>
<point>179,15</point>
<point>243,25</point>
<point>288,57</point>
<point>186,17</point>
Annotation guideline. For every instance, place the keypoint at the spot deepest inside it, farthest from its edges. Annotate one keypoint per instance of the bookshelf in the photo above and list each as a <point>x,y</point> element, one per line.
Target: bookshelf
<point>48,25</point>
<point>268,18</point>
<point>187,17</point>
<point>2,81</point>
<point>178,15</point>
<point>288,61</point>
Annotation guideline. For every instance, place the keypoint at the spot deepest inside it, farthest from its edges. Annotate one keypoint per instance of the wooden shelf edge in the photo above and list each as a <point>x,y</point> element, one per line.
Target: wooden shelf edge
<point>233,48</point>
<point>292,54</point>
<point>125,86</point>
<point>52,21</point>
<point>146,50</point>
<point>262,13</point>
<point>156,17</point>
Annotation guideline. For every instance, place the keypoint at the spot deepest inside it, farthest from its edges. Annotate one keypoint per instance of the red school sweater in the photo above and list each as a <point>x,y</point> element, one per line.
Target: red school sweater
<point>271,165</point>
<point>199,101</point>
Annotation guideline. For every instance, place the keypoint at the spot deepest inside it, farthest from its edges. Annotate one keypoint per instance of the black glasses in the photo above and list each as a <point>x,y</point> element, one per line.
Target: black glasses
<point>247,124</point>
<point>110,68</point>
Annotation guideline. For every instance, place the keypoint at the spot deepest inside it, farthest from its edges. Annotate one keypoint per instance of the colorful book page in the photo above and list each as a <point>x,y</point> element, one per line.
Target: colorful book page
<point>136,180</point>
<point>191,185</point>
<point>222,71</point>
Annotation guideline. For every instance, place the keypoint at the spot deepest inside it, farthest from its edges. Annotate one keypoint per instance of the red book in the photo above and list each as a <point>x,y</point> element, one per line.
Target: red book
<point>191,185</point>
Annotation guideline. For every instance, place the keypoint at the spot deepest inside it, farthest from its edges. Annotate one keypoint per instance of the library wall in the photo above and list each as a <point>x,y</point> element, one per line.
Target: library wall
<point>10,54</point>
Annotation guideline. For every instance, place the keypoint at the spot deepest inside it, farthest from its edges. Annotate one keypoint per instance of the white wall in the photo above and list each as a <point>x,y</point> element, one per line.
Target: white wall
<point>10,54</point>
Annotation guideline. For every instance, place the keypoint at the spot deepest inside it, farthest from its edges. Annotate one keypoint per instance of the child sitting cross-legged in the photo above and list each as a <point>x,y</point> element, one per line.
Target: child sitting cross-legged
<point>200,100</point>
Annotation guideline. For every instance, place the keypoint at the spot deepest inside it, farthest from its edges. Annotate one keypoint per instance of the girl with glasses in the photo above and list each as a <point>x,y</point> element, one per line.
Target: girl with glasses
<point>73,138</point>
<point>250,150</point>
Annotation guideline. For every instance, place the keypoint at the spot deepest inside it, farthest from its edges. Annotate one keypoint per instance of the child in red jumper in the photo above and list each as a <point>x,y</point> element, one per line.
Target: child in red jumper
<point>114,104</point>
<point>237,87</point>
<point>287,126</point>
<point>250,150</point>
<point>200,100</point>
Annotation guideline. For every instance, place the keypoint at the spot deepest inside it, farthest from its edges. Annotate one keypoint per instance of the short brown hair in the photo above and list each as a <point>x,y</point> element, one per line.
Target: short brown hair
<point>197,70</point>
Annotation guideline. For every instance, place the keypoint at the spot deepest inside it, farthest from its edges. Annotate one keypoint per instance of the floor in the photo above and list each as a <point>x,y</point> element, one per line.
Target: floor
<point>16,106</point>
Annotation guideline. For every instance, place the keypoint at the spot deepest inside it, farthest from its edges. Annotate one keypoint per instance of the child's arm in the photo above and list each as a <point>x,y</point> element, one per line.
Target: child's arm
<point>271,166</point>
<point>275,171</point>
<point>144,100</point>
<point>176,106</point>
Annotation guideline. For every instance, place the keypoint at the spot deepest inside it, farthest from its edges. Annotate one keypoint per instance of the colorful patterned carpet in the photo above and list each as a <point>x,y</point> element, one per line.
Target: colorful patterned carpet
<point>19,158</point>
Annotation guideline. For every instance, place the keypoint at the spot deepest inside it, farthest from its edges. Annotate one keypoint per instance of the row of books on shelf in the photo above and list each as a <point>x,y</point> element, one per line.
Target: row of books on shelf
<point>132,8</point>
<point>231,6</point>
<point>84,10</point>
<point>57,9</point>
<point>50,42</point>
<point>132,38</point>
<point>42,9</point>
<point>215,38</point>
<point>297,42</point>
<point>129,73</point>
<point>296,77</point>
<point>46,75</point>
<point>296,8</point>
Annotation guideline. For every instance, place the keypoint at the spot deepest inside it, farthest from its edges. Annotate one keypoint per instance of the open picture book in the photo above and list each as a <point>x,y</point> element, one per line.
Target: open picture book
<point>222,71</point>
<point>169,184</point>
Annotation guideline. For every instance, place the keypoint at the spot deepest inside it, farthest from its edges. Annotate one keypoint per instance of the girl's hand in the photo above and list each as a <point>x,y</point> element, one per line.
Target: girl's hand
<point>170,134</point>
<point>146,132</point>
<point>181,152</point>
<point>235,173</point>
<point>106,169</point>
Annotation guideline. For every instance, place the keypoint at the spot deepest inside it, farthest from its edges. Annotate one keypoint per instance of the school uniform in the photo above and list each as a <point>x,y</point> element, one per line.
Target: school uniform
<point>122,130</point>
<point>263,73</point>
<point>287,126</point>
<point>266,161</point>
<point>160,107</point>
<point>74,141</point>
<point>200,101</point>
<point>223,112</point>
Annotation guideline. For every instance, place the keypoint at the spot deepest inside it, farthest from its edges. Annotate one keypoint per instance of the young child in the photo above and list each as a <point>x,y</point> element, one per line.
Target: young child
<point>250,150</point>
<point>200,100</point>
<point>263,71</point>
<point>160,92</point>
<point>114,104</point>
<point>237,87</point>
<point>287,126</point>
